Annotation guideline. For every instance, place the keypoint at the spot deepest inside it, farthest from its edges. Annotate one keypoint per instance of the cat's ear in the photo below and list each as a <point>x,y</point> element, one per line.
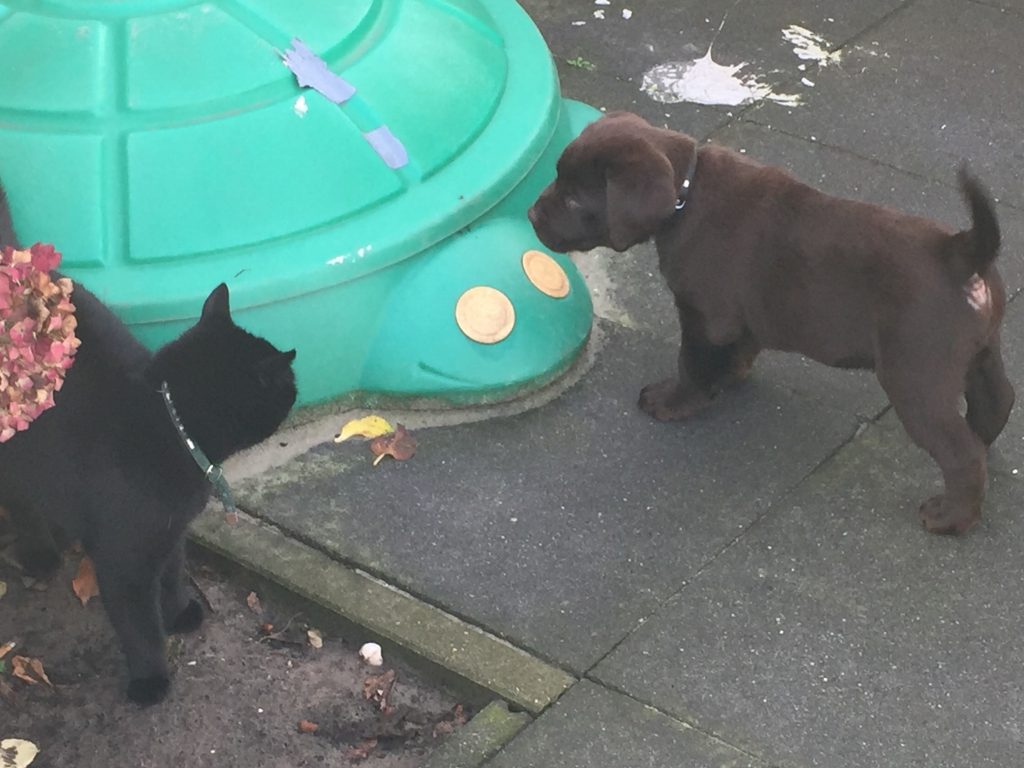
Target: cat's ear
<point>216,305</point>
<point>270,367</point>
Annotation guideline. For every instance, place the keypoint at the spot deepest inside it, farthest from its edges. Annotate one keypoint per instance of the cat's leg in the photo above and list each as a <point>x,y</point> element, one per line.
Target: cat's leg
<point>180,612</point>
<point>35,548</point>
<point>129,581</point>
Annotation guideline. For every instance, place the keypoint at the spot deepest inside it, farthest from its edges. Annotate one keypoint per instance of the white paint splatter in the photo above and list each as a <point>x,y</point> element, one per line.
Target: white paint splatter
<point>599,14</point>
<point>627,14</point>
<point>337,260</point>
<point>578,23</point>
<point>705,81</point>
<point>301,107</point>
<point>810,46</point>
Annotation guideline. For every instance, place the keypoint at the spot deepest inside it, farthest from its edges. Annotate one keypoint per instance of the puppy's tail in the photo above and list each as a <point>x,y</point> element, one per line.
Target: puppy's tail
<point>7,236</point>
<point>973,250</point>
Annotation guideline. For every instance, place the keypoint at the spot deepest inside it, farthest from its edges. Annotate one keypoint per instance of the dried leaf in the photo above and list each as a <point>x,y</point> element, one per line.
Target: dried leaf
<point>377,688</point>
<point>315,638</point>
<point>30,670</point>
<point>446,727</point>
<point>253,601</point>
<point>84,584</point>
<point>266,629</point>
<point>399,444</point>
<point>368,426</point>
<point>361,752</point>
<point>305,726</point>
<point>6,648</point>
<point>17,753</point>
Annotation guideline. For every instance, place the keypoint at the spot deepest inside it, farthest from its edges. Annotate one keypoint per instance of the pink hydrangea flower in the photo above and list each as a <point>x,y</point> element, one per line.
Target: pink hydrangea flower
<point>37,335</point>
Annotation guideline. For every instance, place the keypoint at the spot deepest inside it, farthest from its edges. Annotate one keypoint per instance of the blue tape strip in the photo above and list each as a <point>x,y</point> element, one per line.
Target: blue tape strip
<point>388,147</point>
<point>311,72</point>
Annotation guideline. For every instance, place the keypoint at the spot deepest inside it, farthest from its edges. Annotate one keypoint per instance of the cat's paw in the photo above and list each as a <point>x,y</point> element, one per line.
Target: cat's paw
<point>38,562</point>
<point>149,690</point>
<point>189,620</point>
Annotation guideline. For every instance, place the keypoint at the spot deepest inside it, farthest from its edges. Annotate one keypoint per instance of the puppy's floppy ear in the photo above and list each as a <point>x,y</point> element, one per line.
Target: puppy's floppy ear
<point>641,193</point>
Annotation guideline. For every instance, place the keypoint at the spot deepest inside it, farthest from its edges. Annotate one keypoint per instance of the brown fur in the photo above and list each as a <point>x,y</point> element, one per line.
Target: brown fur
<point>758,260</point>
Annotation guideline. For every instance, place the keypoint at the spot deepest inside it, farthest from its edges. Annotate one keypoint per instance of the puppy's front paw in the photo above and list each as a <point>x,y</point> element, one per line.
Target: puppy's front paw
<point>189,620</point>
<point>149,690</point>
<point>665,402</point>
<point>940,517</point>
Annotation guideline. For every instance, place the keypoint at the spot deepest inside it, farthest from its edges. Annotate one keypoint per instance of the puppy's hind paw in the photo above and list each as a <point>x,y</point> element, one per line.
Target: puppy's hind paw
<point>665,402</point>
<point>940,517</point>
<point>149,690</point>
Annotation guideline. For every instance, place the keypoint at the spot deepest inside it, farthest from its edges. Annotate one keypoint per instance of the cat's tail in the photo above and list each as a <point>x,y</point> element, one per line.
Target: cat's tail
<point>7,236</point>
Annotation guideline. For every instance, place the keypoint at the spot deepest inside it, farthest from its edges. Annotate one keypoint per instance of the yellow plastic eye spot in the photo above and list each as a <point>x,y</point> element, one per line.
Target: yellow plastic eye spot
<point>545,274</point>
<point>485,314</point>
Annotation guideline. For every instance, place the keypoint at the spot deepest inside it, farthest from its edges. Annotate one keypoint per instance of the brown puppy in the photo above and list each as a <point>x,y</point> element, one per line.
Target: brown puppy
<point>757,260</point>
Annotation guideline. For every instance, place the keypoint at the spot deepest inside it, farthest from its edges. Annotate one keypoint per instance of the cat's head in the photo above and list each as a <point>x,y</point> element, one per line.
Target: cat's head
<point>232,389</point>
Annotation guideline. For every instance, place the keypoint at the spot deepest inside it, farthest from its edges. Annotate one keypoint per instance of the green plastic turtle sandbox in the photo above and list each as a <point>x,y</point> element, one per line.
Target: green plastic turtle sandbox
<point>378,224</point>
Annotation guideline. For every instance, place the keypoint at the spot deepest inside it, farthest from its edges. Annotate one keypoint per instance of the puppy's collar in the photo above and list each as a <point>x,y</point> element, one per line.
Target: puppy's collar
<point>684,189</point>
<point>212,472</point>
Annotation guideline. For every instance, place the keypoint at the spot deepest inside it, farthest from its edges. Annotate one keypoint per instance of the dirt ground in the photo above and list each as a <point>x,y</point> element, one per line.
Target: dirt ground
<point>237,697</point>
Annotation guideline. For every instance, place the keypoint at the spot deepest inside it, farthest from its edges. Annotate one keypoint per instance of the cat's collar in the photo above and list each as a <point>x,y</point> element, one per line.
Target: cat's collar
<point>211,471</point>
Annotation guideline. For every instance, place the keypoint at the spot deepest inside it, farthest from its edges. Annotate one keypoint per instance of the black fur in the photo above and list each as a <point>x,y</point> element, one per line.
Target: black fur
<point>106,466</point>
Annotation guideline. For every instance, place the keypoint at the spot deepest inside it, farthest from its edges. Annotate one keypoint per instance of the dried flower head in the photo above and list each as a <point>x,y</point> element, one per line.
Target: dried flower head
<point>37,335</point>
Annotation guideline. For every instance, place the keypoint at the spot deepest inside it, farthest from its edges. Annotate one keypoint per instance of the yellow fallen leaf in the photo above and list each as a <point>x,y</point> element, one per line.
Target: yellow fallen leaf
<point>17,753</point>
<point>368,426</point>
<point>84,584</point>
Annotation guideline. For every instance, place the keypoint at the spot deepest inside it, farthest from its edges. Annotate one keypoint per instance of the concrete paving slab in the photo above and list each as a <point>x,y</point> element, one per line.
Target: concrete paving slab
<point>838,633</point>
<point>603,60</point>
<point>943,86</point>
<point>591,727</point>
<point>560,528</point>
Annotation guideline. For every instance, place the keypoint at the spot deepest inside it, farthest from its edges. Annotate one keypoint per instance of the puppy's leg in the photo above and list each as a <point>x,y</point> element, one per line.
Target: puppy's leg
<point>704,370</point>
<point>989,394</point>
<point>926,402</point>
<point>180,613</point>
<point>129,582</point>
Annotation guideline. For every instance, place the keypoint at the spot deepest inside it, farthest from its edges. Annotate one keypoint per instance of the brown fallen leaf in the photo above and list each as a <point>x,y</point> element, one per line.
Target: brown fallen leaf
<point>377,688</point>
<point>446,727</point>
<point>30,670</point>
<point>399,444</point>
<point>266,629</point>
<point>6,648</point>
<point>84,584</point>
<point>362,751</point>
<point>253,601</point>
<point>305,726</point>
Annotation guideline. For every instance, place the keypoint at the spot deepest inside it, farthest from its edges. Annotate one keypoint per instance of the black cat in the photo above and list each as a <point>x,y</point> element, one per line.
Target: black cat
<point>106,464</point>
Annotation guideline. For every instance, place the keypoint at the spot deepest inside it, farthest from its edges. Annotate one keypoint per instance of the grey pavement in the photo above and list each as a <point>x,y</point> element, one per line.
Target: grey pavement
<point>752,588</point>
